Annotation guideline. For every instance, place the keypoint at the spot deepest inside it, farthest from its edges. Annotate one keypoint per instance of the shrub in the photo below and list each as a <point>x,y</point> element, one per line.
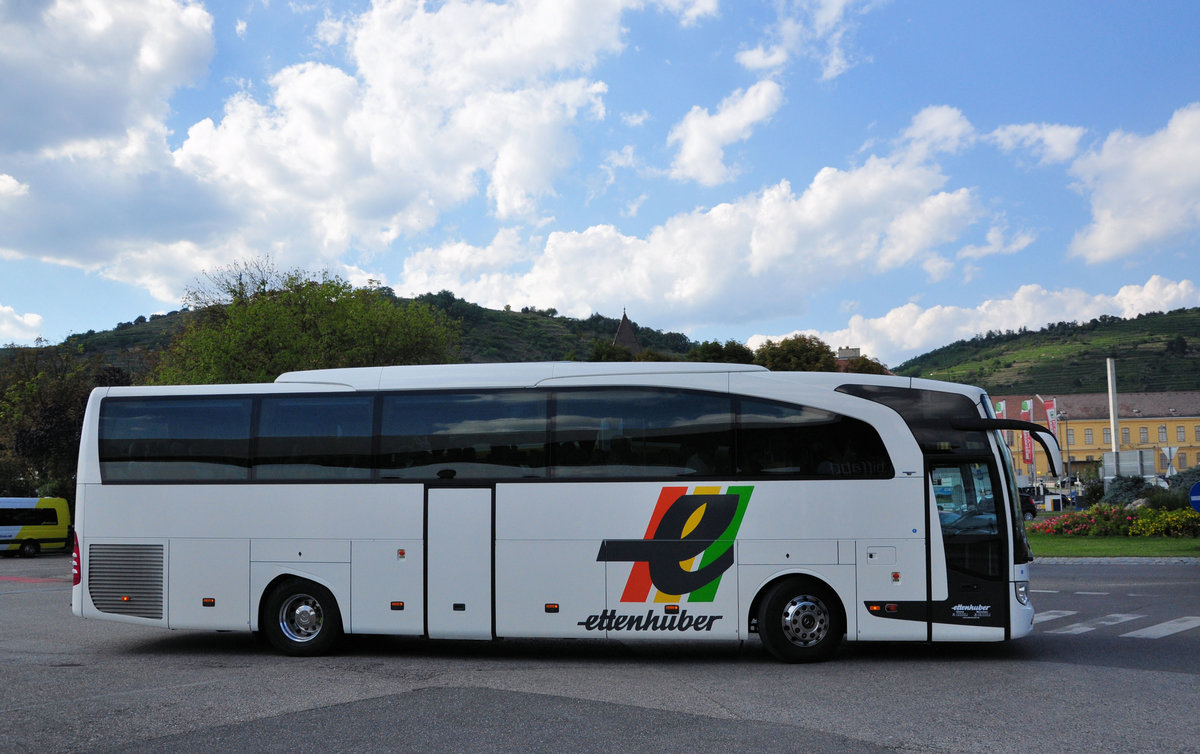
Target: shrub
<point>1125,489</point>
<point>1153,522</point>
<point>1167,500</point>
<point>1185,479</point>
<point>1093,490</point>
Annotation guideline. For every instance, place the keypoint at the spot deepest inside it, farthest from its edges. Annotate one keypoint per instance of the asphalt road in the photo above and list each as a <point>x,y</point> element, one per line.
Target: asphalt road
<point>1114,667</point>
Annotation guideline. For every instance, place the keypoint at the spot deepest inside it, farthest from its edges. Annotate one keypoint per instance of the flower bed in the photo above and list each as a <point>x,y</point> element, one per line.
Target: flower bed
<point>1105,520</point>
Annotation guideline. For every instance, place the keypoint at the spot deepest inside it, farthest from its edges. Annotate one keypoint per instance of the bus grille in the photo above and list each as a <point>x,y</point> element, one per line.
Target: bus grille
<point>127,579</point>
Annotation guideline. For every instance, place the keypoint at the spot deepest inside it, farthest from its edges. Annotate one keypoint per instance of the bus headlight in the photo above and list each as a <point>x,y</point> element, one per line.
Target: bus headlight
<point>1022,590</point>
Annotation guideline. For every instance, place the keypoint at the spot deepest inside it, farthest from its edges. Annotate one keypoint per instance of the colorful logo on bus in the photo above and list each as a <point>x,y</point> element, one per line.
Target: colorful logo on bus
<point>688,545</point>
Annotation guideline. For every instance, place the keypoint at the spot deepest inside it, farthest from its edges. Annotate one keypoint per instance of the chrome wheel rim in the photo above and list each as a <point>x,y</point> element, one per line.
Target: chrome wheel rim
<point>805,620</point>
<point>301,618</point>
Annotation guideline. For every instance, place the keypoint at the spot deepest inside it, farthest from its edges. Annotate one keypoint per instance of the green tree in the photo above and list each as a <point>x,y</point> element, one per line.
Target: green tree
<point>250,323</point>
<point>799,353</point>
<point>866,365</point>
<point>43,394</point>
<point>604,350</point>
<point>729,352</point>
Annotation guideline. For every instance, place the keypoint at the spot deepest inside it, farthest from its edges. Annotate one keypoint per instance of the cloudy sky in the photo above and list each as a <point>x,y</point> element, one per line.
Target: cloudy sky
<point>889,175</point>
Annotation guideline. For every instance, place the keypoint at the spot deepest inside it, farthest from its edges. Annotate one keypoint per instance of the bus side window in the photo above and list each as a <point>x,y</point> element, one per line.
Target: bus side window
<point>463,435</point>
<point>314,437</point>
<point>642,433</point>
<point>798,441</point>
<point>175,439</point>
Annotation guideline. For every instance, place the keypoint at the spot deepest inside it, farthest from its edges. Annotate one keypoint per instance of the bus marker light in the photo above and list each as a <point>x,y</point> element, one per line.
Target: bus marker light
<point>891,607</point>
<point>208,602</point>
<point>895,577</point>
<point>874,608</point>
<point>671,609</point>
<point>552,607</point>
<point>126,598</point>
<point>397,605</point>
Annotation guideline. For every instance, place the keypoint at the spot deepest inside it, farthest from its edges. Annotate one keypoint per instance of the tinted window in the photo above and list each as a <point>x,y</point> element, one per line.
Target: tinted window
<point>314,437</point>
<point>778,439</point>
<point>930,415</point>
<point>640,432</point>
<point>463,435</point>
<point>175,439</point>
<point>969,514</point>
<point>28,517</point>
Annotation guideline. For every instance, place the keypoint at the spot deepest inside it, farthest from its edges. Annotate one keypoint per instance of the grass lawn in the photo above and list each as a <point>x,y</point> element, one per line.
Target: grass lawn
<point>1066,546</point>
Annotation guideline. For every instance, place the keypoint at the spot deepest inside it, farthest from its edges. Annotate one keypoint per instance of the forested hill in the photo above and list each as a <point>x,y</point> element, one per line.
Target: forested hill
<point>487,335</point>
<point>1154,353</point>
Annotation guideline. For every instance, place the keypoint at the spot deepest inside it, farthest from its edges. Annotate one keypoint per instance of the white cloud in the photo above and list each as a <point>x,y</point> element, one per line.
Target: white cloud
<point>911,329</point>
<point>939,128</point>
<point>18,328</point>
<point>702,137</point>
<point>690,11</point>
<point>239,28</point>
<point>1050,143</point>
<point>938,219</point>
<point>635,120</point>
<point>1145,190</point>
<point>91,69</point>
<point>815,29</point>
<point>733,261</point>
<point>996,244</point>
<point>10,187</point>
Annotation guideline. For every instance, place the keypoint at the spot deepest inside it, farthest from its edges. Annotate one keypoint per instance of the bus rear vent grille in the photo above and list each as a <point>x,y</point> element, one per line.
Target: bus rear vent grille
<point>127,579</point>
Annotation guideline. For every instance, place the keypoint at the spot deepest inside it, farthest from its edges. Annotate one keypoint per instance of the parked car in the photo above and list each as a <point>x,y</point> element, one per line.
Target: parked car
<point>1029,510</point>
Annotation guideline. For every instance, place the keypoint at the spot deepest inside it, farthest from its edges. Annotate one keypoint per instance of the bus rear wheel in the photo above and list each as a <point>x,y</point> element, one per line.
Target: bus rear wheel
<point>800,620</point>
<point>301,618</point>
<point>30,549</point>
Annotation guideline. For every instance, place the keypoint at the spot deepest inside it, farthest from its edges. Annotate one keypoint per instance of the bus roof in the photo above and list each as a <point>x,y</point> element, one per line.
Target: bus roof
<point>527,374</point>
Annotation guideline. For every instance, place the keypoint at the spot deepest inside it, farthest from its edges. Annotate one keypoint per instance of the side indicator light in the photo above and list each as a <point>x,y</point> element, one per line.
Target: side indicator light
<point>208,602</point>
<point>671,609</point>
<point>126,598</point>
<point>875,608</point>
<point>552,607</point>
<point>397,605</point>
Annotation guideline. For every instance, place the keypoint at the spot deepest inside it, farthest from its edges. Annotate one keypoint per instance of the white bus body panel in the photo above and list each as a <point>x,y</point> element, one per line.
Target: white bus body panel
<point>459,563</point>
<point>215,569</point>
<point>383,572</point>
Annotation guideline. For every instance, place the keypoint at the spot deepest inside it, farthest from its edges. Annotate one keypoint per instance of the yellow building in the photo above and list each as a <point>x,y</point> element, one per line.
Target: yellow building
<point>1167,424</point>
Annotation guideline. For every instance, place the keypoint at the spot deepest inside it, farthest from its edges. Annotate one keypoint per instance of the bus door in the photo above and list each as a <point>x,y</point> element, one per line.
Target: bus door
<point>971,509</point>
<point>458,562</point>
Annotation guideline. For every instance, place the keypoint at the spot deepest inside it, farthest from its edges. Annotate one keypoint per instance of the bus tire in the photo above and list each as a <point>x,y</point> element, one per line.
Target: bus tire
<point>301,618</point>
<point>800,620</point>
<point>29,549</point>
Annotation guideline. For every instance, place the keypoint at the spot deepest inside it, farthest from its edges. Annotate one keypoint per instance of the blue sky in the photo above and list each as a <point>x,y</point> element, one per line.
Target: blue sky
<point>888,175</point>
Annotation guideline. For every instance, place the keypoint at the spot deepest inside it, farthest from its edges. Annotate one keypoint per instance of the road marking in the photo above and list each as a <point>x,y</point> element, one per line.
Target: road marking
<point>1052,615</point>
<point>1165,629</point>
<point>1094,594</point>
<point>1044,591</point>
<point>1092,625</point>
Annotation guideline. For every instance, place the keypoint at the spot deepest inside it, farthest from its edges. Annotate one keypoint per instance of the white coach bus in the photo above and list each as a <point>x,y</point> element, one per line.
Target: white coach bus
<point>667,501</point>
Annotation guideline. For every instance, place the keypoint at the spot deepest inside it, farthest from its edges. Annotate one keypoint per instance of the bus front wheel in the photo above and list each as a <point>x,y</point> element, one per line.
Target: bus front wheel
<point>799,620</point>
<point>301,618</point>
